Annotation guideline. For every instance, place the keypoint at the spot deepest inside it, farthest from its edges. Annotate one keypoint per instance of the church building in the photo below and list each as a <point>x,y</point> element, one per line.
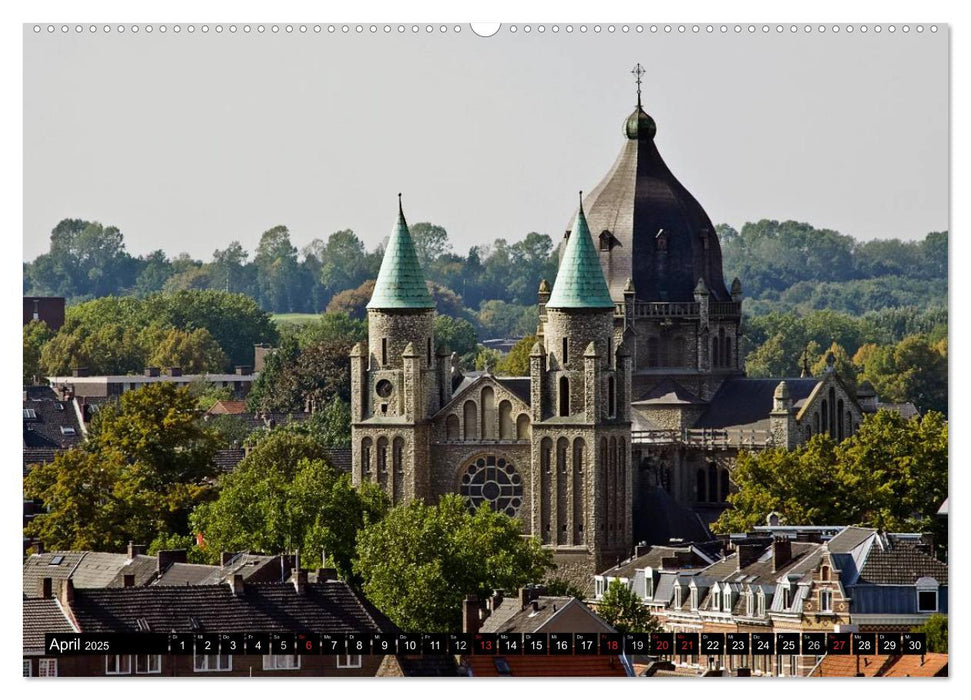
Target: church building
<point>636,403</point>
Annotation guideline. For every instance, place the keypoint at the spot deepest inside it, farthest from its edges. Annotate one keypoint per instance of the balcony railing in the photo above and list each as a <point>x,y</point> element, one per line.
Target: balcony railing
<point>681,309</point>
<point>706,438</point>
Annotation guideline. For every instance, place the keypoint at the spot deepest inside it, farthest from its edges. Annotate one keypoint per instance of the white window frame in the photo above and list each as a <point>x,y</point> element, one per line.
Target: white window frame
<point>937,602</point>
<point>148,668</point>
<point>760,604</point>
<point>599,587</point>
<point>349,661</point>
<point>749,603</point>
<point>716,598</point>
<point>47,668</point>
<point>28,668</point>
<point>118,668</point>
<point>826,600</point>
<point>204,667</point>
<point>677,596</point>
<point>727,599</point>
<point>274,662</point>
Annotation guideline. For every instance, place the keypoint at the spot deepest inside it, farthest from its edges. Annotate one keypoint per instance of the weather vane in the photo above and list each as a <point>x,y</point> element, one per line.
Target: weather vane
<point>638,72</point>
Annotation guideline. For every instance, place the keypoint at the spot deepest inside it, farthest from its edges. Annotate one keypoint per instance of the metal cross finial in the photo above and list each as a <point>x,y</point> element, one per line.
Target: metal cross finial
<point>638,72</point>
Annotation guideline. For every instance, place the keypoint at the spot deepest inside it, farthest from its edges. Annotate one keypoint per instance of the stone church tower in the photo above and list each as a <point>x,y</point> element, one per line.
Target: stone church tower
<point>552,449</point>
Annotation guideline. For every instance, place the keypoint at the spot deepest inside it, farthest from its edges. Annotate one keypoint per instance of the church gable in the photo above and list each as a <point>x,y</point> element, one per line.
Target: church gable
<point>830,409</point>
<point>488,408</point>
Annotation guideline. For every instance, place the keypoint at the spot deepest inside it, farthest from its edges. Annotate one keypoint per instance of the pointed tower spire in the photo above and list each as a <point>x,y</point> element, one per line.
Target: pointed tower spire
<point>400,283</point>
<point>580,282</point>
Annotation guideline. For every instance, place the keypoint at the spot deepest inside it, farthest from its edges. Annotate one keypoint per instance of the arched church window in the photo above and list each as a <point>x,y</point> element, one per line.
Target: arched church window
<point>382,455</point>
<point>562,447</point>
<point>565,355</point>
<point>429,351</point>
<point>564,396</point>
<point>578,456</point>
<point>366,457</point>
<point>469,420</point>
<point>506,426</point>
<point>712,482</point>
<point>727,348</point>
<point>611,397</point>
<point>715,352</point>
<point>488,400</point>
<point>494,481</point>
<point>397,454</point>
<point>653,352</point>
<point>832,413</point>
<point>723,491</point>
<point>452,427</point>
<point>824,410</point>
<point>840,412</point>
<point>384,353</point>
<point>701,490</point>
<point>522,426</point>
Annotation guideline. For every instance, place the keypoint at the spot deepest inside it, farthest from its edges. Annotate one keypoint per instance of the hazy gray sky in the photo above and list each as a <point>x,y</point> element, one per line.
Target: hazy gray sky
<point>187,142</point>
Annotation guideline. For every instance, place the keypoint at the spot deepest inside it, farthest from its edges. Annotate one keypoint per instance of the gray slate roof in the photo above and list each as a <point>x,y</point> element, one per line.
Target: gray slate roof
<point>49,415</point>
<point>742,402</point>
<point>86,569</point>
<point>330,606</point>
<point>42,615</point>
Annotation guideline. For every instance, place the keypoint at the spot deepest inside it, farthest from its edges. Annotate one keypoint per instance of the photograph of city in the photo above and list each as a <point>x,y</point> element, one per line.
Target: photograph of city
<point>395,350</point>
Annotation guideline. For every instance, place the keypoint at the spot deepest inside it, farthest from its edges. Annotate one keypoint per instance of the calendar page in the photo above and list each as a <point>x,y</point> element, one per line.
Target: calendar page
<point>526,349</point>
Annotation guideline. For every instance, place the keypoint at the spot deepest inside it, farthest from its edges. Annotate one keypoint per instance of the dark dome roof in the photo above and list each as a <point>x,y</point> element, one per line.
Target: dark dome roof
<point>657,233</point>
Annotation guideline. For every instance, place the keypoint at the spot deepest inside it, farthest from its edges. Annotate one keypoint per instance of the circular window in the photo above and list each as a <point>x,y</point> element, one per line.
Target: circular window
<point>492,480</point>
<point>383,387</point>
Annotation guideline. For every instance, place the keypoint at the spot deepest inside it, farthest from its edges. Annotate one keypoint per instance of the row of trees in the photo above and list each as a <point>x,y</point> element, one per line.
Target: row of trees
<point>783,265</point>
<point>891,474</point>
<point>145,474</point>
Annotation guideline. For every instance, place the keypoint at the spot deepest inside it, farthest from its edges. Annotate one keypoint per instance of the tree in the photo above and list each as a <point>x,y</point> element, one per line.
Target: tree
<point>142,469</point>
<point>298,379</point>
<point>842,364</point>
<point>352,302</point>
<point>36,334</point>
<point>912,370</point>
<point>431,243</point>
<point>276,270</point>
<point>936,630</point>
<point>455,334</point>
<point>284,496</point>
<point>891,474</point>
<point>420,561</point>
<point>331,327</point>
<point>516,361</point>
<point>622,609</point>
<point>343,262</point>
<point>196,352</point>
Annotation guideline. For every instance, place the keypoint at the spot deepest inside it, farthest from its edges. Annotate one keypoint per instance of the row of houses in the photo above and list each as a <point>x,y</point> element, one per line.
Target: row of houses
<point>776,580</point>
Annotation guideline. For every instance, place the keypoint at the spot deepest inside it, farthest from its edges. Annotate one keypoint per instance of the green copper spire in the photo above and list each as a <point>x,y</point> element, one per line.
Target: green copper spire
<point>580,282</point>
<point>400,283</point>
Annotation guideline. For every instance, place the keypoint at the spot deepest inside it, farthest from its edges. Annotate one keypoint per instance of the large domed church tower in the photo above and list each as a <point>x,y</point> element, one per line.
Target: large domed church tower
<point>662,260</point>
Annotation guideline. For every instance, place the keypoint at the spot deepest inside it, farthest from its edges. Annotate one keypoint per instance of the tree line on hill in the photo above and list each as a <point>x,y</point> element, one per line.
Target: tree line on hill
<point>783,266</point>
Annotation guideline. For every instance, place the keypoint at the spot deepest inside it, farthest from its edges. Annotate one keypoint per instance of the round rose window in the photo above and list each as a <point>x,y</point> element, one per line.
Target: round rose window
<point>495,481</point>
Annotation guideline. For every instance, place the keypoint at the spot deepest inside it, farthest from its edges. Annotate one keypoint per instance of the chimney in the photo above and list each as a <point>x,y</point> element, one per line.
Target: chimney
<point>326,574</point>
<point>495,600</point>
<point>525,595</point>
<point>79,371</point>
<point>300,581</point>
<point>152,371</point>
<point>129,581</point>
<point>747,554</point>
<point>65,592</point>
<point>45,587</point>
<point>781,553</point>
<point>167,557</point>
<point>669,563</point>
<point>641,549</point>
<point>226,557</point>
<point>39,547</point>
<point>243,370</point>
<point>135,550</point>
<point>175,371</point>
<point>470,614</point>
<point>236,584</point>
<point>534,604</point>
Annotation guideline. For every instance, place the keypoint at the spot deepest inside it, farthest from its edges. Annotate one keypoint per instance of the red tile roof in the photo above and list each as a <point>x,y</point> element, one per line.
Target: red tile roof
<point>925,666</point>
<point>834,666</point>
<point>525,666</point>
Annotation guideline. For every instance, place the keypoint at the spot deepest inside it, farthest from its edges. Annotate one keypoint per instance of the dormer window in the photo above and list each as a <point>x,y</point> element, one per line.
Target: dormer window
<point>694,598</point>
<point>927,595</point>
<point>716,598</point>
<point>606,241</point>
<point>749,603</point>
<point>760,604</point>
<point>727,599</point>
<point>677,596</point>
